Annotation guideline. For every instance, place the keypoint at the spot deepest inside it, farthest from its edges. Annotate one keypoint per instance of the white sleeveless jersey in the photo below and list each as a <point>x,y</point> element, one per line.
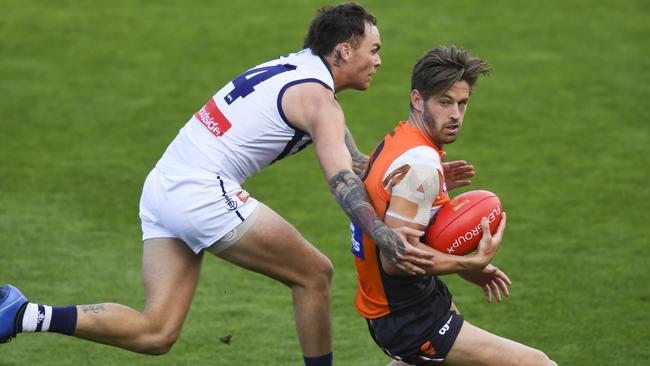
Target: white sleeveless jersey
<point>242,129</point>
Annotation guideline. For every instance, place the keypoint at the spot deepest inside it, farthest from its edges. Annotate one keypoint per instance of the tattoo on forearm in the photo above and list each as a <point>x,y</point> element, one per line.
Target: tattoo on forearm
<point>359,164</point>
<point>95,309</point>
<point>353,198</point>
<point>359,160</point>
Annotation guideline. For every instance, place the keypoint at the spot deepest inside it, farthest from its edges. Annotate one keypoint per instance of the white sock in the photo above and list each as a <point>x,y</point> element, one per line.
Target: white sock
<point>37,318</point>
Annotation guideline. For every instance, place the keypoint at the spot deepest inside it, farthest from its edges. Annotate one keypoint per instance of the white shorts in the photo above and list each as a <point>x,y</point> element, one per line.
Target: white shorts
<point>198,208</point>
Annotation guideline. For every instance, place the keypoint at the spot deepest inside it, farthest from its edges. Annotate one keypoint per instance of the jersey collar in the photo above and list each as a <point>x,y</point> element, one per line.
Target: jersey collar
<point>414,130</point>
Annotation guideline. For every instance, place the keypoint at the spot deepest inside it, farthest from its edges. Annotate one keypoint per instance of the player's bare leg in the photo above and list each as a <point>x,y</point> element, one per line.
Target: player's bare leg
<point>171,273</point>
<point>275,248</point>
<point>475,346</point>
<point>484,348</point>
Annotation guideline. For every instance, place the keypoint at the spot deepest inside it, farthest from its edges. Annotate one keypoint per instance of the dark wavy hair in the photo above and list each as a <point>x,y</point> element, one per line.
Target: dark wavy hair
<point>438,69</point>
<point>336,24</point>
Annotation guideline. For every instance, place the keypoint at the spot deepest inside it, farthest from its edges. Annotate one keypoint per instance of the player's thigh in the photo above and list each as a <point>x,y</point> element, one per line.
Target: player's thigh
<point>475,346</point>
<point>171,273</point>
<point>275,248</point>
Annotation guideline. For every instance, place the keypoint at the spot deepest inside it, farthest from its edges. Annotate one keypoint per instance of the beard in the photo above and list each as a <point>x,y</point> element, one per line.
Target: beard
<point>435,130</point>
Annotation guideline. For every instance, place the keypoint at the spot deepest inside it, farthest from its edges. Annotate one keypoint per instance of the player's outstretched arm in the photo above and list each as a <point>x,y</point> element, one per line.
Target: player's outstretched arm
<point>353,198</point>
<point>314,109</point>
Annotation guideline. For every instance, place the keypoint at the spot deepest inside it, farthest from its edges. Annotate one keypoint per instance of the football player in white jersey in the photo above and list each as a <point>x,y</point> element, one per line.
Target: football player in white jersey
<point>192,200</point>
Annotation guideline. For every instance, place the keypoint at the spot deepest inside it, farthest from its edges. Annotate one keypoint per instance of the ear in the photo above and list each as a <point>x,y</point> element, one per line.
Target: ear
<point>416,100</point>
<point>344,50</point>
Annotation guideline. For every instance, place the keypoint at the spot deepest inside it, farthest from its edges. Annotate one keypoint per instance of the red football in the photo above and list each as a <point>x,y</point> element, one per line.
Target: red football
<point>457,226</point>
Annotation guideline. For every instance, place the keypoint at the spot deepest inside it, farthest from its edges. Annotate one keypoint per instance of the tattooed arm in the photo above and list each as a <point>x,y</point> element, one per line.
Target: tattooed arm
<point>353,198</point>
<point>359,159</point>
<point>314,109</point>
<point>350,193</point>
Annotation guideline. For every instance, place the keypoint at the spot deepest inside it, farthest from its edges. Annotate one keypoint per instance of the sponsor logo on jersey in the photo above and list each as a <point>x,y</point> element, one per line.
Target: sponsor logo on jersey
<point>243,196</point>
<point>357,241</point>
<point>230,203</point>
<point>212,118</point>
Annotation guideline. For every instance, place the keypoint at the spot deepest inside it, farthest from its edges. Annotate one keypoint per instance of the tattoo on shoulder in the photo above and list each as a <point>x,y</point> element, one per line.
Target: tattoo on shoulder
<point>95,309</point>
<point>353,198</point>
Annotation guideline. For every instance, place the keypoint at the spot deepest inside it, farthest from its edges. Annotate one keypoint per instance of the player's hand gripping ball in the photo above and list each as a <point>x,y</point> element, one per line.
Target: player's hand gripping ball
<point>457,226</point>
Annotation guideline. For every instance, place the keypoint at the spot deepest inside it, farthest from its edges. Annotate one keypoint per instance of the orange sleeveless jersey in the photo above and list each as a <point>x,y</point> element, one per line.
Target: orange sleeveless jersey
<point>379,294</point>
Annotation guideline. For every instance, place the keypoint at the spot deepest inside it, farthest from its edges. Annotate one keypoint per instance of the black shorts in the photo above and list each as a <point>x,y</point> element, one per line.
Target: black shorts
<point>417,337</point>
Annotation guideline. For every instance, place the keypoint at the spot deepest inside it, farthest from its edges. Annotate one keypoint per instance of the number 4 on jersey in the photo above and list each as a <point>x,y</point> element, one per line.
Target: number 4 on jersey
<point>244,86</point>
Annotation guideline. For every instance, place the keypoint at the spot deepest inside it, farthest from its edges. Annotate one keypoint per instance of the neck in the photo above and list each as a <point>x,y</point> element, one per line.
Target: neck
<point>415,119</point>
<point>337,73</point>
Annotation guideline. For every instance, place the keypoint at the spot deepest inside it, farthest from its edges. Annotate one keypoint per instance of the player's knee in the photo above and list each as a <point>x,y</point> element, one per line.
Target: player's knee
<point>160,345</point>
<point>160,342</point>
<point>327,270</point>
<point>320,274</point>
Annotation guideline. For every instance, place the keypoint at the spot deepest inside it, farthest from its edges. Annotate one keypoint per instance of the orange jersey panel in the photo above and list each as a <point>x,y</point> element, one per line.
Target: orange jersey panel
<point>378,294</point>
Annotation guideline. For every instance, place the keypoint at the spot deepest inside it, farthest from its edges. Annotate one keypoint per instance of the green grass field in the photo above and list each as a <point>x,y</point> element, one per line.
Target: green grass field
<point>91,93</point>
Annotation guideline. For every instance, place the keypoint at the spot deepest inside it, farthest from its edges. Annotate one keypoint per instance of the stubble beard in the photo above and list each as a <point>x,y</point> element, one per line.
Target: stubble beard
<point>429,127</point>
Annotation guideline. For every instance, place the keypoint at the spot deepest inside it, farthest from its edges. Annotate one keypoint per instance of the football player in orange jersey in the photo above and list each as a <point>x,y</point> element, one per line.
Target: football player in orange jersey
<point>413,318</point>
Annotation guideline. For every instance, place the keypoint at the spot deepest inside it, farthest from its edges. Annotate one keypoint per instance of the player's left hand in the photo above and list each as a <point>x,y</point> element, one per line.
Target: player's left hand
<point>492,280</point>
<point>457,174</point>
